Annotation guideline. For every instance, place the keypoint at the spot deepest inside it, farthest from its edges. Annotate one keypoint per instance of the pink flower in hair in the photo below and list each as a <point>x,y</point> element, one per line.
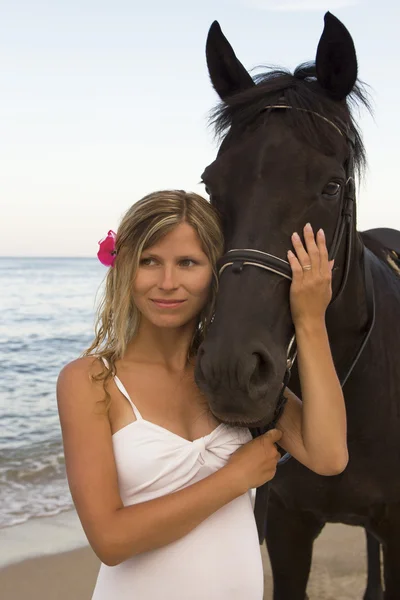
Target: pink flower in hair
<point>107,252</point>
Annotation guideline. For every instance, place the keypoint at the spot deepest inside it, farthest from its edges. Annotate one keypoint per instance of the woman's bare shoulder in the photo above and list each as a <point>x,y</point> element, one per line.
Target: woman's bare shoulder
<point>89,365</point>
<point>75,380</point>
<point>83,368</point>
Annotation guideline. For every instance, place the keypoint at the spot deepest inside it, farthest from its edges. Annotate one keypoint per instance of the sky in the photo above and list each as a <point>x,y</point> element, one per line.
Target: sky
<point>104,101</point>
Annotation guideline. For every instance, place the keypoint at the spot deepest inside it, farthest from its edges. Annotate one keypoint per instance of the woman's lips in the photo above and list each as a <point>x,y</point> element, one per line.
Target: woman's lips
<point>168,303</point>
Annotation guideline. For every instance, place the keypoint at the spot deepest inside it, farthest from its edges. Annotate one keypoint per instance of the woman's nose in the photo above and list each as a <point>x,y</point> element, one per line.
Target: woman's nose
<point>168,280</point>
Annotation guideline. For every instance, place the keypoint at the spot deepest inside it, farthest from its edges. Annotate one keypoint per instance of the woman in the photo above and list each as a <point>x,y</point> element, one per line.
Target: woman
<point>163,490</point>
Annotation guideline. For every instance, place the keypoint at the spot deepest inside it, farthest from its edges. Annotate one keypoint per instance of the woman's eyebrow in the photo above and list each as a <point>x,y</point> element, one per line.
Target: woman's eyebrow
<point>148,254</point>
<point>191,255</point>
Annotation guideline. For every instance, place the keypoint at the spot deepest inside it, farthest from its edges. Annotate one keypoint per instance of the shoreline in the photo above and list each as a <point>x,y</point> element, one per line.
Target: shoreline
<point>41,536</point>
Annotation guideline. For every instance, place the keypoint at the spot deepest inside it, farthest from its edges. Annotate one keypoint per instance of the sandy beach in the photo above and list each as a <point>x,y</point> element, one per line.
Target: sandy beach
<point>338,571</point>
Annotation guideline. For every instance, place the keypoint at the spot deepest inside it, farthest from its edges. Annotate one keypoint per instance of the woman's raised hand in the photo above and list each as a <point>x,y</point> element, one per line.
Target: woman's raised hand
<point>254,463</point>
<point>311,289</point>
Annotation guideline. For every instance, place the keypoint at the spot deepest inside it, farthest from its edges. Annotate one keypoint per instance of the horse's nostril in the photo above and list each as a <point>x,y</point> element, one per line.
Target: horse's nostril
<point>262,369</point>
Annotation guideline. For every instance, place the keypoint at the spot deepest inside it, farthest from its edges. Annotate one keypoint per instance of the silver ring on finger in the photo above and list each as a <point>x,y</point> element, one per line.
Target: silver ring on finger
<point>306,267</point>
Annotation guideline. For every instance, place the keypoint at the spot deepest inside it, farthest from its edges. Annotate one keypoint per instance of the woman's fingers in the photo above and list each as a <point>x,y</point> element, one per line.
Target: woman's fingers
<point>309,256</point>
<point>324,265</point>
<point>312,248</point>
<point>274,435</point>
<point>297,271</point>
<point>301,253</point>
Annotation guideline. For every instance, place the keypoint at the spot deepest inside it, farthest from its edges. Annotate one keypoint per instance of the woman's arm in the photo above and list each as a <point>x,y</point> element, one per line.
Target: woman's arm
<point>314,430</point>
<point>114,531</point>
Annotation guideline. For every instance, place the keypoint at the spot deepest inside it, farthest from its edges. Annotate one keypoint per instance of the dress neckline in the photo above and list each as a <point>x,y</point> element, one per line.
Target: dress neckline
<point>168,431</point>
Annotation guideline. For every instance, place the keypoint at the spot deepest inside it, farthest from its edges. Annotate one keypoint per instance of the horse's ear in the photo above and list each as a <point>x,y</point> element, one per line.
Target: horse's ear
<point>227,73</point>
<point>336,61</point>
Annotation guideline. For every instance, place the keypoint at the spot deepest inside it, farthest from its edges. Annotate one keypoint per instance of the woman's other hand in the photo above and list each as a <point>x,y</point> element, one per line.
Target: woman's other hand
<point>254,463</point>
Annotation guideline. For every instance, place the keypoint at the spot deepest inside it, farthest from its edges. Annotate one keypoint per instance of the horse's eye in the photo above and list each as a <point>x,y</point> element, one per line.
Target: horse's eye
<point>331,189</point>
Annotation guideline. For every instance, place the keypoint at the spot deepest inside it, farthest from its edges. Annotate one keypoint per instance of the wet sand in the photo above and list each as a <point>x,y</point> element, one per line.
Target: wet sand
<point>338,573</point>
<point>339,569</point>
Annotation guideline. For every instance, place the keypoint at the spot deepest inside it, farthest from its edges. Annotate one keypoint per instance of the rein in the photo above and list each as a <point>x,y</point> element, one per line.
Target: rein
<point>239,258</point>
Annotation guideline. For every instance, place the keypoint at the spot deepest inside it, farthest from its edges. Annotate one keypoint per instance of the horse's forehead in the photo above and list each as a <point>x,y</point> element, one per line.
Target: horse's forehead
<point>249,149</point>
<point>271,158</point>
<point>274,142</point>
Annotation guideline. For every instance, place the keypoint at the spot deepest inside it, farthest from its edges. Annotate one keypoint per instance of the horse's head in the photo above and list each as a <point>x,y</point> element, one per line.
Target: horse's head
<point>285,161</point>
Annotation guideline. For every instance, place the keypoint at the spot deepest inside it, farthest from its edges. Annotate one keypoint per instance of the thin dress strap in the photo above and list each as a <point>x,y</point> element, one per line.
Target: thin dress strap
<point>123,391</point>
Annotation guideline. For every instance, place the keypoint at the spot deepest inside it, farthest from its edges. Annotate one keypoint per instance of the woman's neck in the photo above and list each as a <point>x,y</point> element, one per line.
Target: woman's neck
<point>163,346</point>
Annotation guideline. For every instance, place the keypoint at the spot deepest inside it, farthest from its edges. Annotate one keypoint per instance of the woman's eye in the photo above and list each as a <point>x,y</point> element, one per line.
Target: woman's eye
<point>147,262</point>
<point>331,189</point>
<point>187,262</point>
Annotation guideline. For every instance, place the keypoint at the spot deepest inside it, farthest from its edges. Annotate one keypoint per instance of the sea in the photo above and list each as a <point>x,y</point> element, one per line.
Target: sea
<point>47,314</point>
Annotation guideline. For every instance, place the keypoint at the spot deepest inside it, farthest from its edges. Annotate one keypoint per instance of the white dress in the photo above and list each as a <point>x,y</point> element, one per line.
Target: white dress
<point>218,560</point>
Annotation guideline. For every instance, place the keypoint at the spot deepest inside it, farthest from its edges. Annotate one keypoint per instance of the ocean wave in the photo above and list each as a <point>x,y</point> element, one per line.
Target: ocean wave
<point>32,484</point>
<point>34,502</point>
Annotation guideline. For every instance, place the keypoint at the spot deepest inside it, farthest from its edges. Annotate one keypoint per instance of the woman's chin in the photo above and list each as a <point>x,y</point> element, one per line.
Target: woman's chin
<point>169,321</point>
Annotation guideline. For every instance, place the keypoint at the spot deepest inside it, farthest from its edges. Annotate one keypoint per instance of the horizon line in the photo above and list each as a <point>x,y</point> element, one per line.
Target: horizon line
<point>46,256</point>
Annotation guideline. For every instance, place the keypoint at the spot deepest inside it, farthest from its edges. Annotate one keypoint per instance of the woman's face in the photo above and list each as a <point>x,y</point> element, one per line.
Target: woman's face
<point>173,281</point>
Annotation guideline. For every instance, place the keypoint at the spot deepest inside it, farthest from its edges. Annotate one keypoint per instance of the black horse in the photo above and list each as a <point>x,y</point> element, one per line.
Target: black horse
<point>288,156</point>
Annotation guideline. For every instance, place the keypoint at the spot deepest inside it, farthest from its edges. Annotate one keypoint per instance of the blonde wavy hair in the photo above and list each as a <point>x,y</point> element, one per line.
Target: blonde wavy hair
<point>142,226</point>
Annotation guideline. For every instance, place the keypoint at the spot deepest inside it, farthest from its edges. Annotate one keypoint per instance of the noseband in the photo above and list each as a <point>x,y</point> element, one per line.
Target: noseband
<point>240,258</point>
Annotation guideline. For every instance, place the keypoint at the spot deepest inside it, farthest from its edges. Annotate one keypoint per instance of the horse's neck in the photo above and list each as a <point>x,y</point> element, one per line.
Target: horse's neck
<point>348,316</point>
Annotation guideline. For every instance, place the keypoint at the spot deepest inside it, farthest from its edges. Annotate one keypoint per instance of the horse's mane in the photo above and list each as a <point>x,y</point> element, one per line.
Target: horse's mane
<point>300,90</point>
